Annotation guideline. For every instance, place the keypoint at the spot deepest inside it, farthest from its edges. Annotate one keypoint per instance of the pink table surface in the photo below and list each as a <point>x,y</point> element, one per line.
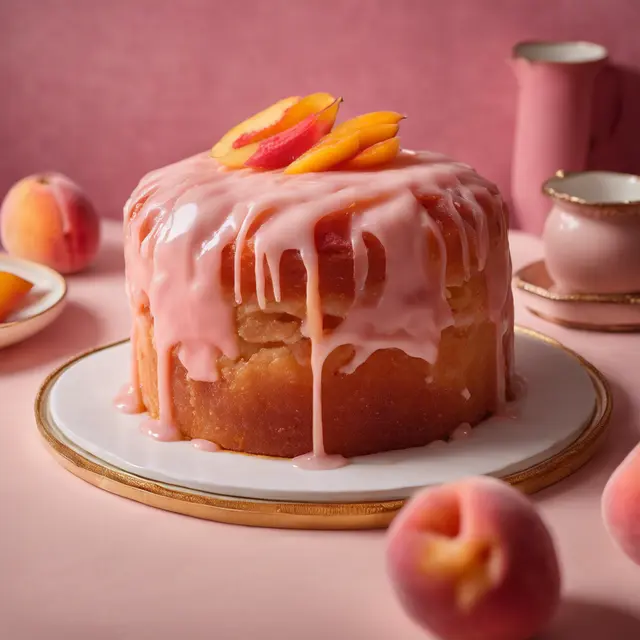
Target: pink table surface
<point>77,562</point>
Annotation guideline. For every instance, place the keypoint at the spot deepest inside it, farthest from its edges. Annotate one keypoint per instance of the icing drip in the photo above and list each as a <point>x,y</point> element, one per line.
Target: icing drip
<point>314,462</point>
<point>205,445</point>
<point>160,430</point>
<point>511,410</point>
<point>128,399</point>
<point>462,431</point>
<point>182,217</point>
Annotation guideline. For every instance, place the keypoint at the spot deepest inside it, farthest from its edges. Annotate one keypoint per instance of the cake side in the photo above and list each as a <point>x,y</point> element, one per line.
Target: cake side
<point>397,281</point>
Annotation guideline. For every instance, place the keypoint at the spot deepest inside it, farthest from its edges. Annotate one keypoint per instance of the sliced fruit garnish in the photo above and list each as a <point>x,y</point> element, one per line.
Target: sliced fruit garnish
<point>236,158</point>
<point>298,134</point>
<point>368,120</point>
<point>293,115</point>
<point>376,133</point>
<point>330,151</point>
<point>375,155</point>
<point>277,118</point>
<point>281,149</point>
<point>264,121</point>
<point>13,290</point>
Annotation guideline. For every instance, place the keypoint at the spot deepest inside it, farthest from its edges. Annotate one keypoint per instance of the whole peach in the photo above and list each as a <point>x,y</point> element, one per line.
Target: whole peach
<point>48,218</point>
<point>473,560</point>
<point>621,505</point>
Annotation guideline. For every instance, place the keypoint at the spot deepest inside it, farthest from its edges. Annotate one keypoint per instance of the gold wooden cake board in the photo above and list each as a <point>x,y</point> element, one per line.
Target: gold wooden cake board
<point>304,515</point>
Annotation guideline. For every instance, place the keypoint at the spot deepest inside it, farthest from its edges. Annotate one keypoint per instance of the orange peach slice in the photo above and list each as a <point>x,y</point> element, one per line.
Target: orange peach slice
<point>236,158</point>
<point>262,122</point>
<point>314,103</point>
<point>368,120</point>
<point>375,155</point>
<point>277,118</point>
<point>13,290</point>
<point>376,133</point>
<point>281,149</point>
<point>329,152</point>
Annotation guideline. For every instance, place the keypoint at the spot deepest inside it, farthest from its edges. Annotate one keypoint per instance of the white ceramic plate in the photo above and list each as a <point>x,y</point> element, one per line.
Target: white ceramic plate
<point>41,307</point>
<point>559,403</point>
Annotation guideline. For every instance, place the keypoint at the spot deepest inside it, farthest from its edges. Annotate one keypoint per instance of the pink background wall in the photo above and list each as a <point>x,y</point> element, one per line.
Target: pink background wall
<point>105,91</point>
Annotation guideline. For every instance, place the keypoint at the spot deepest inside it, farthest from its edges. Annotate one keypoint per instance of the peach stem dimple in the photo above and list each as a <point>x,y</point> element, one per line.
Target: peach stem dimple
<point>465,562</point>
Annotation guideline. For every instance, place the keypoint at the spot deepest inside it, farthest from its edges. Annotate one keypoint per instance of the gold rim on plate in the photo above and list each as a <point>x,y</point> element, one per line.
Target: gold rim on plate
<point>301,515</point>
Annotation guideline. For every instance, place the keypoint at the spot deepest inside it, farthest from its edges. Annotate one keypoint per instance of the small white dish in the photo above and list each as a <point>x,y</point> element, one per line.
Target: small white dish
<point>594,312</point>
<point>550,418</point>
<point>41,307</point>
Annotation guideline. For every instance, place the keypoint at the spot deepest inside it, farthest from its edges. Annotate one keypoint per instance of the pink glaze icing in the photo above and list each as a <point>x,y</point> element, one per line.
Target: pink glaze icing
<point>314,462</point>
<point>194,210</point>
<point>128,400</point>
<point>160,430</point>
<point>462,431</point>
<point>205,445</point>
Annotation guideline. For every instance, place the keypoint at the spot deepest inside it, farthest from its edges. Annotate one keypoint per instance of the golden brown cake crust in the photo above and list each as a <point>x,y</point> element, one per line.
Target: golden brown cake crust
<point>262,401</point>
<point>263,405</point>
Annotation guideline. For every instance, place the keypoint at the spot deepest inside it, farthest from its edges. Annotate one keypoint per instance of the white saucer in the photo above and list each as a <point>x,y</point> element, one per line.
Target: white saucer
<point>562,400</point>
<point>43,304</point>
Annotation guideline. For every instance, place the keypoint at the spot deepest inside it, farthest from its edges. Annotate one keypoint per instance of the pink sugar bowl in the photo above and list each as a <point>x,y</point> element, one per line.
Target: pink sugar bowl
<point>592,233</point>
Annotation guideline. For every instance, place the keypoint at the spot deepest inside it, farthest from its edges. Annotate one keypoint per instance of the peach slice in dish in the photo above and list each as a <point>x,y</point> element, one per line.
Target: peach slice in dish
<point>32,296</point>
<point>13,291</point>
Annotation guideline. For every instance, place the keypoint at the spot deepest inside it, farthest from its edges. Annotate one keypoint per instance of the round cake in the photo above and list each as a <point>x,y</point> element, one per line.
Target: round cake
<point>324,314</point>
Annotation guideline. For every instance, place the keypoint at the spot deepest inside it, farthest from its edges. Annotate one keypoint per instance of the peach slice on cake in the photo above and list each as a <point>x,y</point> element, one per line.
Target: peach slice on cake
<point>298,135</point>
<point>375,155</point>
<point>281,149</point>
<point>330,151</point>
<point>263,122</point>
<point>13,291</point>
<point>348,143</point>
<point>376,133</point>
<point>276,119</point>
<point>367,120</point>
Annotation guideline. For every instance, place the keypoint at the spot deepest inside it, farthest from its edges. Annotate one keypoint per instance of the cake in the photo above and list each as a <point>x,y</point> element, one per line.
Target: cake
<point>317,296</point>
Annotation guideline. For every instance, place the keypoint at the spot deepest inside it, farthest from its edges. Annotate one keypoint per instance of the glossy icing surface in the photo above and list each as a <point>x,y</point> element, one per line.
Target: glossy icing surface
<point>180,219</point>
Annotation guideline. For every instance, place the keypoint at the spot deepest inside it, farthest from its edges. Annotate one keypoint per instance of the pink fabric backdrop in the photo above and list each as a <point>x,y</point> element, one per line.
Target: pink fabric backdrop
<point>105,91</point>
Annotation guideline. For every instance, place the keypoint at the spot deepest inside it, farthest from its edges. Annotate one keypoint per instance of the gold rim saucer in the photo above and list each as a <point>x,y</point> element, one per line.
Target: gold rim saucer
<point>572,309</point>
<point>299,515</point>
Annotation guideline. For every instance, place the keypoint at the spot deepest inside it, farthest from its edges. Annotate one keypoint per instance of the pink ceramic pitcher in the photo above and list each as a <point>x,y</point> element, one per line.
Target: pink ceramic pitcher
<point>553,122</point>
